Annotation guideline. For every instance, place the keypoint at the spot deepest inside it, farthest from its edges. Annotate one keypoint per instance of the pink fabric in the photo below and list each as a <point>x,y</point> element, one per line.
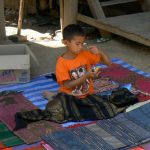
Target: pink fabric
<point>124,76</point>
<point>46,145</point>
<point>11,104</point>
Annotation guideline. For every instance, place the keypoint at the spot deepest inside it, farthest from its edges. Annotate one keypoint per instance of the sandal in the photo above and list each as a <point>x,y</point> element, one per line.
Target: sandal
<point>103,39</point>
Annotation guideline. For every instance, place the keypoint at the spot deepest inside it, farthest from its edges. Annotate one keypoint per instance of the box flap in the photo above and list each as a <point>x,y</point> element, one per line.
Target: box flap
<point>14,62</point>
<point>32,55</point>
<point>16,49</point>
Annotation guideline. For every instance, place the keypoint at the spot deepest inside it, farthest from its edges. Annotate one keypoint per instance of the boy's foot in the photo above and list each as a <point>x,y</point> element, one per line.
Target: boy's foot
<point>48,95</point>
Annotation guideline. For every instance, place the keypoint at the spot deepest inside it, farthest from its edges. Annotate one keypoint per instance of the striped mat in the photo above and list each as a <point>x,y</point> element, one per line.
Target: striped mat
<point>34,89</point>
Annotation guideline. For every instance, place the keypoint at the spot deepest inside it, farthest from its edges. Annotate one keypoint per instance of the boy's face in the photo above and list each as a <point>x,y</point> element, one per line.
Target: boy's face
<point>75,45</point>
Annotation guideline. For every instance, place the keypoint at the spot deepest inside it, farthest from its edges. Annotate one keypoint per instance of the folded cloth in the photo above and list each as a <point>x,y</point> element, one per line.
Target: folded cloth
<point>122,97</point>
<point>30,116</point>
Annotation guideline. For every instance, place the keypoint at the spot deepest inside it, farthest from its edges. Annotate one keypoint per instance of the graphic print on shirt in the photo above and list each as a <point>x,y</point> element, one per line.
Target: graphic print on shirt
<point>75,74</point>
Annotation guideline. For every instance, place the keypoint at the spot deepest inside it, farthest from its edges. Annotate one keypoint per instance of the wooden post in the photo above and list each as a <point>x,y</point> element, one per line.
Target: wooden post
<point>21,9</point>
<point>68,12</point>
<point>140,36</point>
<point>61,14</point>
<point>98,13</point>
<point>2,21</point>
<point>25,10</point>
<point>145,5</point>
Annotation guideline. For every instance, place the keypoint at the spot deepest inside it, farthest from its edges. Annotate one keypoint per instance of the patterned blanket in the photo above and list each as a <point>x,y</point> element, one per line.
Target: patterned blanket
<point>33,90</point>
<point>13,103</point>
<point>7,138</point>
<point>122,132</point>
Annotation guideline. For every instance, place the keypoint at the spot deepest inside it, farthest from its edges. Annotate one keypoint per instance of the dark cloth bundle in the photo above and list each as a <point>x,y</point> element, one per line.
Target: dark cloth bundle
<point>122,97</point>
<point>69,108</point>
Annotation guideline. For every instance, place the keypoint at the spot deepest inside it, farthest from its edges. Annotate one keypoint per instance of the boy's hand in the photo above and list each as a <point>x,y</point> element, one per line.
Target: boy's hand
<point>93,49</point>
<point>93,73</point>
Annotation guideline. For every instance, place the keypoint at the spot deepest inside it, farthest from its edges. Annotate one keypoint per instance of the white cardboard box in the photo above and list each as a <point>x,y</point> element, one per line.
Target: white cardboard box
<point>15,63</point>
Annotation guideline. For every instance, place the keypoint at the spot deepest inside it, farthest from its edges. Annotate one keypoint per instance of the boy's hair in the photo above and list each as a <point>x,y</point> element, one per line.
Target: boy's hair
<point>72,30</point>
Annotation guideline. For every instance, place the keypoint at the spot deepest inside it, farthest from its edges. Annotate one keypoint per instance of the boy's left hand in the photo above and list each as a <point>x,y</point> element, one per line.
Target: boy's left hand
<point>93,49</point>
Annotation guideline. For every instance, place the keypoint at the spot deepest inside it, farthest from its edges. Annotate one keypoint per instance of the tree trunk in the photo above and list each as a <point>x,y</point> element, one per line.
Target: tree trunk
<point>2,21</point>
<point>20,19</point>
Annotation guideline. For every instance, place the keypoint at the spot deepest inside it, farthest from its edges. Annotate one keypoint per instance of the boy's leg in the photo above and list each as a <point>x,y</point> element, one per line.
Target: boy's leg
<point>49,95</point>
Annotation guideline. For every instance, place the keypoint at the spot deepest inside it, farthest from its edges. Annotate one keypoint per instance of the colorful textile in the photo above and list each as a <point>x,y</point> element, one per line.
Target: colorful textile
<point>2,146</point>
<point>7,138</point>
<point>79,124</point>
<point>34,130</point>
<point>39,147</point>
<point>46,145</point>
<point>132,107</point>
<point>104,84</point>
<point>124,76</point>
<point>71,123</point>
<point>146,146</point>
<point>7,149</point>
<point>10,105</point>
<point>138,148</point>
<point>25,146</point>
<point>122,132</point>
<point>34,89</point>
<point>36,146</point>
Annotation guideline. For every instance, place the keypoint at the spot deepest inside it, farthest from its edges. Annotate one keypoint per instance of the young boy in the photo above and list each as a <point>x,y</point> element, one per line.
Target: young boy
<point>74,70</point>
<point>75,100</point>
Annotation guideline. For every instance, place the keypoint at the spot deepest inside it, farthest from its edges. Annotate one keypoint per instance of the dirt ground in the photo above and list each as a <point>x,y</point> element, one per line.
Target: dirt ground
<point>47,51</point>
<point>133,53</point>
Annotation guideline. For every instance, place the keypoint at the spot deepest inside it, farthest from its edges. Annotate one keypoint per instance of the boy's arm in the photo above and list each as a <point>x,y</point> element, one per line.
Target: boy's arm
<point>104,57</point>
<point>73,83</point>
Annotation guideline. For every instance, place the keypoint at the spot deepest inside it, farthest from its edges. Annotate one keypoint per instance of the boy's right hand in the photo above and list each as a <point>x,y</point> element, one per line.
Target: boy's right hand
<point>93,73</point>
<point>93,49</point>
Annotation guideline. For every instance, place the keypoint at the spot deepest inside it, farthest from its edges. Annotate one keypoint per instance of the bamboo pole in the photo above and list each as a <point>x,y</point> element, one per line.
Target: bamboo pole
<point>21,9</point>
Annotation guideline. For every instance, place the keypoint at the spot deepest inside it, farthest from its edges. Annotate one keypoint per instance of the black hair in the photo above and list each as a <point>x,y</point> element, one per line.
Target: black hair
<point>72,30</point>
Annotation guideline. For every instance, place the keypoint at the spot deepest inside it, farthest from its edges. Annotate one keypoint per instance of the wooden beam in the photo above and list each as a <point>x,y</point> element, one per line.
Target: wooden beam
<point>61,2</point>
<point>21,9</point>
<point>31,6</point>
<point>115,2</point>
<point>2,21</point>
<point>25,10</point>
<point>102,25</point>
<point>96,9</point>
<point>145,5</point>
<point>68,12</point>
<point>98,13</point>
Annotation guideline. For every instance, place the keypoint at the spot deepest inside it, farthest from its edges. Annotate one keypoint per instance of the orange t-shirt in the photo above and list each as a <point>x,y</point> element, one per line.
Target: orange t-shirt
<point>71,69</point>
